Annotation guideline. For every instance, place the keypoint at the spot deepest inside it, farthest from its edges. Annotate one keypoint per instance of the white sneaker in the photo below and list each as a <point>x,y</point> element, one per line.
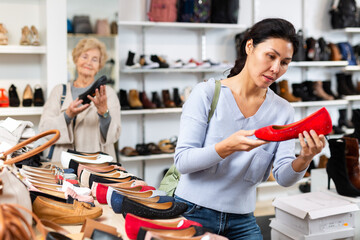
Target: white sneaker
<point>96,159</point>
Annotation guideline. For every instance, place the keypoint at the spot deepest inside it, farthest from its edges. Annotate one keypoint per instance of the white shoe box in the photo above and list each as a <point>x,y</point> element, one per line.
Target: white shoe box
<point>280,231</point>
<point>315,213</point>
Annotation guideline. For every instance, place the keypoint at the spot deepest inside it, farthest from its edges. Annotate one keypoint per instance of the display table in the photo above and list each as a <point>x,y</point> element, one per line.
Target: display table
<point>108,217</point>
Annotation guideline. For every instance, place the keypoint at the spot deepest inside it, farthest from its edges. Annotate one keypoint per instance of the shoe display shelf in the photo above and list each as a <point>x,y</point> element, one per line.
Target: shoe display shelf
<point>145,29</point>
<point>20,111</point>
<point>30,64</point>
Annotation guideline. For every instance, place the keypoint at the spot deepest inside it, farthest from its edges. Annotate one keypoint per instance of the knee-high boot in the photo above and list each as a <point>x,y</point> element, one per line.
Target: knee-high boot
<point>352,160</point>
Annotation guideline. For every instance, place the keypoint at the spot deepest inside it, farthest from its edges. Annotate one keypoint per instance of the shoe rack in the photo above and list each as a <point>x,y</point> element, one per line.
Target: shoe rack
<point>44,64</point>
<point>143,77</point>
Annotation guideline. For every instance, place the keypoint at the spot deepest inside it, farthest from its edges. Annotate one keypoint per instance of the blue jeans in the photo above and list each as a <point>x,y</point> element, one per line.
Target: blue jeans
<point>230,225</point>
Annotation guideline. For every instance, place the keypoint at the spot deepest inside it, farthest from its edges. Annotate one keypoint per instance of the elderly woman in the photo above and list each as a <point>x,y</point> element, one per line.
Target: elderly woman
<point>90,127</point>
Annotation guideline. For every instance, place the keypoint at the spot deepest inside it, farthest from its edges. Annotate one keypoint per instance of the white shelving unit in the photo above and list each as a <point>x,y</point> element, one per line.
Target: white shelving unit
<point>21,111</point>
<point>181,25</point>
<point>44,64</point>
<point>17,49</point>
<point>319,64</point>
<point>175,70</point>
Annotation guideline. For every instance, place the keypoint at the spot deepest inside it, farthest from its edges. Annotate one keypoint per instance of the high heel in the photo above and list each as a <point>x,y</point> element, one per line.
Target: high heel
<point>25,36</point>
<point>35,36</point>
<point>337,170</point>
<point>27,96</point>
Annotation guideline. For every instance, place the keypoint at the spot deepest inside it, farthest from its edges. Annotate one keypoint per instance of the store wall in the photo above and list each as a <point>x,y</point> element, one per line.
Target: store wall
<point>311,16</point>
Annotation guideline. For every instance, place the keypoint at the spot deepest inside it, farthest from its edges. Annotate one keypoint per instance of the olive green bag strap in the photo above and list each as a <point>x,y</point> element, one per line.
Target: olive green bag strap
<point>170,181</point>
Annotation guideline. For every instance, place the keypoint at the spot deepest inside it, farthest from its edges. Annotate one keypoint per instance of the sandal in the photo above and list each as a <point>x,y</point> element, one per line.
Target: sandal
<point>153,148</point>
<point>166,146</point>
<point>129,151</point>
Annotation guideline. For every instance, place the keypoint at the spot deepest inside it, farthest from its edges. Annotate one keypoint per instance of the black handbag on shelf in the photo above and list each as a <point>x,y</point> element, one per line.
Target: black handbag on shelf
<point>344,14</point>
<point>82,24</point>
<point>224,11</point>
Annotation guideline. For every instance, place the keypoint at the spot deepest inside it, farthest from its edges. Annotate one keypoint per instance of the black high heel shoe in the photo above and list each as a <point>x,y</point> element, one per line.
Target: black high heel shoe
<point>336,169</point>
<point>91,91</point>
<point>14,100</point>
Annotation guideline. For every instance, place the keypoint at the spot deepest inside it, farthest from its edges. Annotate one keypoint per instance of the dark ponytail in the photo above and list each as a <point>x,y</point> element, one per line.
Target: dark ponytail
<point>260,32</point>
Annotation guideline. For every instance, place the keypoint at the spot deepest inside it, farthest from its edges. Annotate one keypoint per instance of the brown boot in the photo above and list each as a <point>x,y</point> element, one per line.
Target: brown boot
<point>134,100</point>
<point>352,160</point>
<point>319,91</point>
<point>145,101</point>
<point>322,161</point>
<point>285,92</point>
<point>166,99</point>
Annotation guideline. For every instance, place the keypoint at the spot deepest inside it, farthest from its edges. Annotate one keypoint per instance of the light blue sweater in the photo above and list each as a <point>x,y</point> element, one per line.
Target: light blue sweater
<point>229,185</point>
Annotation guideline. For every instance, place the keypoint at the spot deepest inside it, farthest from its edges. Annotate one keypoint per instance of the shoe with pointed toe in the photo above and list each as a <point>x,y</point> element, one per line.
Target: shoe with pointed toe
<point>319,121</point>
<point>152,210</point>
<point>13,96</point>
<point>133,224</point>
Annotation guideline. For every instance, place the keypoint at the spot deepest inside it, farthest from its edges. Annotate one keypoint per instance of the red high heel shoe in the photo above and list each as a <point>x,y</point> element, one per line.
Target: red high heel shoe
<point>319,121</point>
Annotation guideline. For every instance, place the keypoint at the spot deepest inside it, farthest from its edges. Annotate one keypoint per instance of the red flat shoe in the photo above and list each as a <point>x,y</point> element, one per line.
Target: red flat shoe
<point>319,121</point>
<point>133,224</point>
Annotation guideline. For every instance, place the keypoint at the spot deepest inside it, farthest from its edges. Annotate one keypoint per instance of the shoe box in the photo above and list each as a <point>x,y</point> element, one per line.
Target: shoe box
<point>280,231</point>
<point>315,213</point>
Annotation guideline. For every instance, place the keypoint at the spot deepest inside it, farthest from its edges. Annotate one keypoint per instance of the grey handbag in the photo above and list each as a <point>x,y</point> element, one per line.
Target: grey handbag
<point>82,24</point>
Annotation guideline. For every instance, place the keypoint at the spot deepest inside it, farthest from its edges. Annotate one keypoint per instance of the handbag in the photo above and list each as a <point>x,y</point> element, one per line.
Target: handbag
<point>163,11</point>
<point>194,11</point>
<point>171,178</point>
<point>102,27</point>
<point>12,189</point>
<point>224,11</point>
<point>82,24</point>
<point>344,14</point>
<point>14,226</point>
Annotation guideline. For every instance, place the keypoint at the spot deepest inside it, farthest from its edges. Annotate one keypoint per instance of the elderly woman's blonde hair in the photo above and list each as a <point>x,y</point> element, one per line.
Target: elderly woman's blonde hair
<point>87,44</point>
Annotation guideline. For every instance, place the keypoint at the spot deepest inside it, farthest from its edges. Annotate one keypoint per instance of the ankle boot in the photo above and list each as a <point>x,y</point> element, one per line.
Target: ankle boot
<point>4,100</point>
<point>13,96</point>
<point>343,121</point>
<point>327,88</point>
<point>301,90</point>
<point>130,61</point>
<point>166,99</point>
<point>177,99</point>
<point>342,86</point>
<point>134,100</point>
<point>146,102</point>
<point>156,100</point>
<point>311,91</point>
<point>337,170</point>
<point>27,96</point>
<point>319,91</point>
<point>123,100</point>
<point>285,92</point>
<point>350,84</point>
<point>352,160</point>
<point>38,96</point>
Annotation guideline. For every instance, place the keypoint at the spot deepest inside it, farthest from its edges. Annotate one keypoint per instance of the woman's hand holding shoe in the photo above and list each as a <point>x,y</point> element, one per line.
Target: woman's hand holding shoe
<point>313,145</point>
<point>74,109</point>
<point>239,141</point>
<point>100,100</point>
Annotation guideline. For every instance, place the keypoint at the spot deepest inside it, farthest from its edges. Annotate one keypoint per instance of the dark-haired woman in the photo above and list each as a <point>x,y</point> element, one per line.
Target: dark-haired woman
<point>222,162</point>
